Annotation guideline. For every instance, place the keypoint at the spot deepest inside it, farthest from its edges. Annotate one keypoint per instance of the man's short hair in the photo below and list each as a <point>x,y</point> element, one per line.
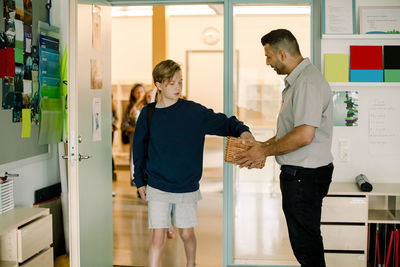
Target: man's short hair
<point>281,39</point>
<point>165,70</point>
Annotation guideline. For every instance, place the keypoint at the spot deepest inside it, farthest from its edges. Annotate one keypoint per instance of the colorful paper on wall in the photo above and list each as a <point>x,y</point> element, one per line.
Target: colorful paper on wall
<point>28,39</point>
<point>366,75</point>
<point>28,12</point>
<point>391,57</point>
<point>19,77</point>
<point>10,62</point>
<point>17,114</point>
<point>8,93</point>
<point>3,58</point>
<point>366,57</point>
<point>50,129</point>
<point>392,76</point>
<point>19,55</point>
<point>26,123</point>
<point>19,34</point>
<point>64,88</point>
<point>10,32</point>
<point>19,9</point>
<point>336,67</point>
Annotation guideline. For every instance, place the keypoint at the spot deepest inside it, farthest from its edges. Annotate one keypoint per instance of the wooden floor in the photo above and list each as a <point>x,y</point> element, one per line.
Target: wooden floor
<point>260,229</point>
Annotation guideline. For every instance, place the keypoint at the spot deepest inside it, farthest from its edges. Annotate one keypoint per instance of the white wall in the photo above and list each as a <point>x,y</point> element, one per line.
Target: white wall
<point>378,162</point>
<point>40,171</point>
<point>131,47</point>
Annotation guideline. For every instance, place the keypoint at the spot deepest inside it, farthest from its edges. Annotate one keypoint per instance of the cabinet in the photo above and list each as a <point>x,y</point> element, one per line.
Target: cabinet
<point>26,238</point>
<point>346,214</point>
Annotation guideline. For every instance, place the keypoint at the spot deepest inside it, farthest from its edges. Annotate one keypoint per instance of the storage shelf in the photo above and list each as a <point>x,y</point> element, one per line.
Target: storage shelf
<point>365,84</point>
<point>379,189</point>
<point>361,36</point>
<point>382,216</point>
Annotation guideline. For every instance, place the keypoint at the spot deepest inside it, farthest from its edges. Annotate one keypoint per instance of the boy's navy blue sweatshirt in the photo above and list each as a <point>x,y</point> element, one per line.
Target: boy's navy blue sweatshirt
<point>175,151</point>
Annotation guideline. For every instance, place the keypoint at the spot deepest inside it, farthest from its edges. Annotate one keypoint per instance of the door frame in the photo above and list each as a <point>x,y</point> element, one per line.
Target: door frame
<point>73,171</point>
<point>228,209</point>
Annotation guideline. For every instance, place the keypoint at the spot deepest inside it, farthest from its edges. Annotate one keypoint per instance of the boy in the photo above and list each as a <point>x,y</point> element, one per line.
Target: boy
<point>175,158</point>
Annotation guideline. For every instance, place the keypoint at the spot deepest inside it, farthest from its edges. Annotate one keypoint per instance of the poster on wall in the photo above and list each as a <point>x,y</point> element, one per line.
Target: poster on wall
<point>338,16</point>
<point>384,126</point>
<point>96,74</point>
<point>375,19</point>
<point>345,108</point>
<point>96,27</point>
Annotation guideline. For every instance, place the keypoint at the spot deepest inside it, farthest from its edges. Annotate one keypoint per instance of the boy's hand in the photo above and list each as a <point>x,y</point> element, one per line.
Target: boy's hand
<point>247,135</point>
<point>142,192</point>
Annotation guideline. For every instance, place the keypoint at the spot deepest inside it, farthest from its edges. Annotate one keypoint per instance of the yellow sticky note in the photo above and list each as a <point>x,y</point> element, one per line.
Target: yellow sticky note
<point>336,67</point>
<point>26,123</point>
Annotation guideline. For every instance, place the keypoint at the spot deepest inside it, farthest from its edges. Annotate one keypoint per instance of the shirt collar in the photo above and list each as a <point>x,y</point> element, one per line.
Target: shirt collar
<point>289,80</point>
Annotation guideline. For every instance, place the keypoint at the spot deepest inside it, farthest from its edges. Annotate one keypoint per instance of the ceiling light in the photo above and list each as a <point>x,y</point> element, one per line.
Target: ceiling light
<point>189,10</point>
<point>270,10</point>
<point>132,11</point>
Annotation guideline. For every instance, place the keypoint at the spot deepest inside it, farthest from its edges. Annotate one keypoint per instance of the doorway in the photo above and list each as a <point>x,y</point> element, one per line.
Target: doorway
<point>195,40</point>
<point>232,77</point>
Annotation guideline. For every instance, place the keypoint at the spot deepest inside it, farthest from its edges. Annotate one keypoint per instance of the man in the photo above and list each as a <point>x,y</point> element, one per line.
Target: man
<point>302,145</point>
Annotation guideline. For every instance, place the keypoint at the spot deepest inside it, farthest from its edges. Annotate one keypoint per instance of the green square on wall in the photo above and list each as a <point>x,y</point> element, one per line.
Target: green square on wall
<point>391,75</point>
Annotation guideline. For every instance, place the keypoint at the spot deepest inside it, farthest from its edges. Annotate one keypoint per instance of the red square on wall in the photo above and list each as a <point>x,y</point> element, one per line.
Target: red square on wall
<point>366,57</point>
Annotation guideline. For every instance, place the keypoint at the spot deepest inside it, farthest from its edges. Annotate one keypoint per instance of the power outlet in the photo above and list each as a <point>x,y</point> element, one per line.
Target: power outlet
<point>343,150</point>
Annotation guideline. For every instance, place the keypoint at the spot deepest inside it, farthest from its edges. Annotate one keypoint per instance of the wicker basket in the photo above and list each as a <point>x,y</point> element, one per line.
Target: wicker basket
<point>233,146</point>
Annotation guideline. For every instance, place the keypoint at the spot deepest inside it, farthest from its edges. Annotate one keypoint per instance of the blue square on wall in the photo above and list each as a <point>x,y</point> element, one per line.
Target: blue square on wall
<point>366,75</point>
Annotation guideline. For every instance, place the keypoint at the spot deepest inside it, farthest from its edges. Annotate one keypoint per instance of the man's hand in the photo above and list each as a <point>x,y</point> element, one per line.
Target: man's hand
<point>253,156</point>
<point>142,192</point>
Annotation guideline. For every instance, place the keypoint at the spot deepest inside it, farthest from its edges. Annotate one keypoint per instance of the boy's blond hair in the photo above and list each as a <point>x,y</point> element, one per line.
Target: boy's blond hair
<point>165,70</point>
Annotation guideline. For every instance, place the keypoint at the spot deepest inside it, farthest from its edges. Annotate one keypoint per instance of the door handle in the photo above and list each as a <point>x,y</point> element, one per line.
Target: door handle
<point>66,156</point>
<point>81,157</point>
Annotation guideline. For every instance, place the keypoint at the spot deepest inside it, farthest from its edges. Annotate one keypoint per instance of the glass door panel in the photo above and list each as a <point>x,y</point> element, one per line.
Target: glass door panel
<point>260,232</point>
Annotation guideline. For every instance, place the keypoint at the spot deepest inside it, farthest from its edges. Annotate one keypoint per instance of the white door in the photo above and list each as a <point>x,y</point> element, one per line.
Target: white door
<point>91,232</point>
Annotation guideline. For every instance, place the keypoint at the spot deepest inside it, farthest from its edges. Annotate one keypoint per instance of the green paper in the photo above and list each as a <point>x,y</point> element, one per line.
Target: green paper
<point>19,55</point>
<point>50,129</point>
<point>391,76</point>
<point>26,123</point>
<point>19,44</point>
<point>50,91</point>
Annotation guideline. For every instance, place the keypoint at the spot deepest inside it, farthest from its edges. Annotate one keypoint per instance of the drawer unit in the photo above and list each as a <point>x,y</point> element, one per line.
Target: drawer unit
<point>43,259</point>
<point>343,259</point>
<point>34,237</point>
<point>344,237</point>
<point>344,209</point>
<point>26,235</point>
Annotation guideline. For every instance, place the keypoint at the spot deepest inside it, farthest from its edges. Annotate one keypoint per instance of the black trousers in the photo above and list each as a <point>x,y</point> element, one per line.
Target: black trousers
<point>302,192</point>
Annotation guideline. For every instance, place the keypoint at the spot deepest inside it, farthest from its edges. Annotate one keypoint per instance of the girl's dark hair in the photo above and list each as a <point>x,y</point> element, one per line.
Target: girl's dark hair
<point>281,39</point>
<point>165,70</point>
<point>132,98</point>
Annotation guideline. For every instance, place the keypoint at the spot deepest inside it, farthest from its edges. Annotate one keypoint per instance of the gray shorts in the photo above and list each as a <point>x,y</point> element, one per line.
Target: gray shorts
<point>184,215</point>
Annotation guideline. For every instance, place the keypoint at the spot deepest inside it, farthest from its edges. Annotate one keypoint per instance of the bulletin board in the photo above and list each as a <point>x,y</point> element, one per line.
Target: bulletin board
<point>12,146</point>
